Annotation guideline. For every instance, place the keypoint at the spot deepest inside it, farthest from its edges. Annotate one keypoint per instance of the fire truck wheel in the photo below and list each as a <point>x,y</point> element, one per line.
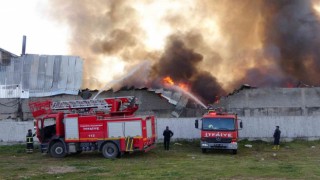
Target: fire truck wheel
<point>234,151</point>
<point>110,150</point>
<point>204,150</point>
<point>57,150</point>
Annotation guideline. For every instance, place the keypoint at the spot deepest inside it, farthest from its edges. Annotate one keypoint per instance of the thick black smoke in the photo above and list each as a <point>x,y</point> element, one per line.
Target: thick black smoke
<point>181,64</point>
<point>264,43</point>
<point>293,28</point>
<point>207,87</point>
<point>177,61</point>
<point>291,42</point>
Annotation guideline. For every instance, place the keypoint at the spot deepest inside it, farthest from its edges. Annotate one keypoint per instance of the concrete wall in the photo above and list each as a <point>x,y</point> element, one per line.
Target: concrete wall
<point>8,108</point>
<point>255,128</point>
<point>274,102</point>
<point>13,131</point>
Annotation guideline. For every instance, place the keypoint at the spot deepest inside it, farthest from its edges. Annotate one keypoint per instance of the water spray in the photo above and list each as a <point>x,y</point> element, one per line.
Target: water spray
<point>190,95</point>
<point>132,72</point>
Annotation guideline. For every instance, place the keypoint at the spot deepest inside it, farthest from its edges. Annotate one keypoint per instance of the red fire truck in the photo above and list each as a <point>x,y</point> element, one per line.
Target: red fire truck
<point>219,130</point>
<point>106,125</point>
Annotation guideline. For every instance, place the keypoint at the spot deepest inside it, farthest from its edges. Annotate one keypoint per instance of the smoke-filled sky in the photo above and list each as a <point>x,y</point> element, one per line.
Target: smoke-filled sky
<point>213,46</point>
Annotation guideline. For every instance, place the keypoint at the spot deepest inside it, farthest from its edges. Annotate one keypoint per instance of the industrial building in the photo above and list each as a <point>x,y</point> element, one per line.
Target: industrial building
<point>31,77</point>
<point>273,102</point>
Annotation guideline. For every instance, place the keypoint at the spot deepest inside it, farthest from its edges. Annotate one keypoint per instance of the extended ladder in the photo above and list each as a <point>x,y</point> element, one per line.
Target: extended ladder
<point>112,106</point>
<point>81,104</point>
<point>105,104</point>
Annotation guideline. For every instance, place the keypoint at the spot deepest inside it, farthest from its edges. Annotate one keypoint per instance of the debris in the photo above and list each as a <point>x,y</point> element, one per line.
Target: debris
<point>178,144</point>
<point>274,154</point>
<point>262,159</point>
<point>248,145</point>
<point>313,147</point>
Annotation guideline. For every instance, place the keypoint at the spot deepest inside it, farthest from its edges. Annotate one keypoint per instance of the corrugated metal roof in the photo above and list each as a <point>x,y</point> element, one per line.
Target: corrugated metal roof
<point>5,57</point>
<point>7,52</point>
<point>43,75</point>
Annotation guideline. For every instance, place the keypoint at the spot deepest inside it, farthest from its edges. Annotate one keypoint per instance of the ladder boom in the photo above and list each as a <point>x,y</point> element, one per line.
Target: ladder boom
<point>126,105</point>
<point>80,104</point>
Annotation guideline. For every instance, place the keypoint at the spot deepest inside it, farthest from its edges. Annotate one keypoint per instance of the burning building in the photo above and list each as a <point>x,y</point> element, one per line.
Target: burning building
<point>207,48</point>
<point>211,46</point>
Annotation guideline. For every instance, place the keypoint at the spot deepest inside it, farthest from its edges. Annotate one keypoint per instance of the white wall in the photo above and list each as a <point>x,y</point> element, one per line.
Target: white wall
<point>290,126</point>
<point>262,128</point>
<point>13,131</point>
<point>181,127</point>
<point>255,128</point>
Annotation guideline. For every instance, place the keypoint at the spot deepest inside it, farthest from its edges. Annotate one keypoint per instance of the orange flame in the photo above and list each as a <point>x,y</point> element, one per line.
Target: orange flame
<point>183,86</point>
<point>168,80</point>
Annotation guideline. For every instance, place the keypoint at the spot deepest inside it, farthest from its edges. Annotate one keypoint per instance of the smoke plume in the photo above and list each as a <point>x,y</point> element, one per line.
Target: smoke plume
<point>213,46</point>
<point>181,64</point>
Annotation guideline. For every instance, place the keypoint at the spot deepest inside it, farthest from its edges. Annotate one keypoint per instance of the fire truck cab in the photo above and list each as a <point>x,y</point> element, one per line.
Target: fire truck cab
<point>219,130</point>
<point>106,125</point>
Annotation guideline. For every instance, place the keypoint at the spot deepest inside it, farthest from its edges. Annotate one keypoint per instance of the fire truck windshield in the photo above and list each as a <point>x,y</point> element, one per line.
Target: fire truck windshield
<point>218,124</point>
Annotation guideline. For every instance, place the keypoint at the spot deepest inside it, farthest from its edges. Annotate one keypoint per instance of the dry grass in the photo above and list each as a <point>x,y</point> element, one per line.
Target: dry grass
<point>295,160</point>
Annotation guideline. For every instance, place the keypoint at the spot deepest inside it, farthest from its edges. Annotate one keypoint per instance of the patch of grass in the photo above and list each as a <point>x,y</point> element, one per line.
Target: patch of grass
<point>288,168</point>
<point>9,149</point>
<point>297,159</point>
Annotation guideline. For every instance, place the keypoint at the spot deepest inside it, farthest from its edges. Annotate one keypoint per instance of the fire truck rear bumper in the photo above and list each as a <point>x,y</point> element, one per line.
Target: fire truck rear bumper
<point>205,145</point>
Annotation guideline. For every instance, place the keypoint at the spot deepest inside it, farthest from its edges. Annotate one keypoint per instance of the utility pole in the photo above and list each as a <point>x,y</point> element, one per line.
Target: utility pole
<point>23,52</point>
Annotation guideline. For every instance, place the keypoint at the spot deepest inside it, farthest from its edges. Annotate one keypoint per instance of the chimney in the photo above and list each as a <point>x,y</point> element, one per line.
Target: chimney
<point>24,41</point>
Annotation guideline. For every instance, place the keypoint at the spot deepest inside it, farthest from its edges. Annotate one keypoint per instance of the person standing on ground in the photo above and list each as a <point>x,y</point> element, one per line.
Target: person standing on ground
<point>29,141</point>
<point>167,135</point>
<point>276,136</point>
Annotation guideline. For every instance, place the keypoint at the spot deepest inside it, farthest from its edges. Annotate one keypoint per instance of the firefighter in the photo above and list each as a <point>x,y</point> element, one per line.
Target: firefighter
<point>29,140</point>
<point>276,136</point>
<point>167,135</point>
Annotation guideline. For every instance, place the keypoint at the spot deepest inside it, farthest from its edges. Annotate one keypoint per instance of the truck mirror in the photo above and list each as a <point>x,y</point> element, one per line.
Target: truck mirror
<point>241,125</point>
<point>196,123</point>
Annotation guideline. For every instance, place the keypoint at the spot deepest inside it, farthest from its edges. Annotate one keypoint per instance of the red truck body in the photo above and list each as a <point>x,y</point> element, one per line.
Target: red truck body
<point>219,130</point>
<point>70,127</point>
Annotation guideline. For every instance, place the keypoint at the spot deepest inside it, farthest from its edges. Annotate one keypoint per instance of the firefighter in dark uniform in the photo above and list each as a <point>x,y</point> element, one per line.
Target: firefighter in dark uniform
<point>276,136</point>
<point>167,135</point>
<point>29,141</point>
